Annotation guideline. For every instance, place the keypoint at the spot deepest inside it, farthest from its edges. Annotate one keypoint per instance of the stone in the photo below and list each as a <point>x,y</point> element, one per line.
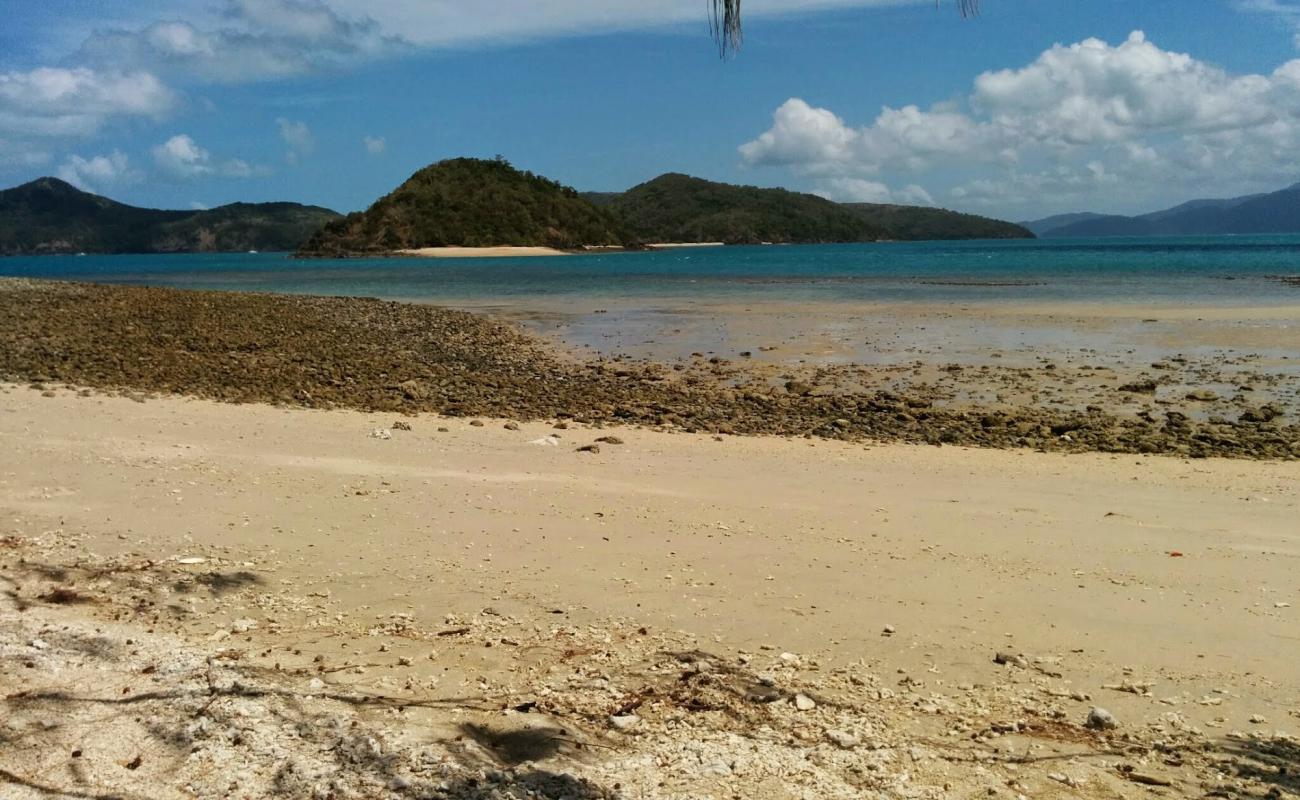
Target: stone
<point>624,722</point>
<point>381,433</point>
<point>804,703</point>
<point>845,741</point>
<point>589,448</point>
<point>1101,720</point>
<point>1202,396</point>
<point>511,426</point>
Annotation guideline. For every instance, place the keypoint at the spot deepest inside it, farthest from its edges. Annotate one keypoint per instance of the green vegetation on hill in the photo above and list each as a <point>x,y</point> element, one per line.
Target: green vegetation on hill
<point>48,215</point>
<point>917,223</point>
<point>679,208</point>
<point>468,202</point>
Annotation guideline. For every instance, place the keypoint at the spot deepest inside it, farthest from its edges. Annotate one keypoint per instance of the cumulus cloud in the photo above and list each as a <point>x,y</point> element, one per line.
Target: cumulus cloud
<point>59,102</point>
<point>98,173</point>
<point>1131,110</point>
<point>298,137</point>
<point>181,158</point>
<point>375,145</point>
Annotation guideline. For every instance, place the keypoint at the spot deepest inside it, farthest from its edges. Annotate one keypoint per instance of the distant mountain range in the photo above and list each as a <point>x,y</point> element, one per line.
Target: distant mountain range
<point>1274,212</point>
<point>49,216</point>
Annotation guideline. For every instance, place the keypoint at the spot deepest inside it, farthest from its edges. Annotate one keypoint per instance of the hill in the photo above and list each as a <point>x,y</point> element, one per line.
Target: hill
<point>680,208</point>
<point>1041,227</point>
<point>918,223</point>
<point>468,202</point>
<point>48,216</point>
<point>1274,212</point>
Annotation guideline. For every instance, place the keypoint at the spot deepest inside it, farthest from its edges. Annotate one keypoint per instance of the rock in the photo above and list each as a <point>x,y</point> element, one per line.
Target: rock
<point>1013,659</point>
<point>315,684</point>
<point>243,625</point>
<point>1139,387</point>
<point>804,703</point>
<point>476,423</point>
<point>624,722</point>
<point>610,440</point>
<point>37,644</point>
<point>1148,779</point>
<point>1100,719</point>
<point>1202,396</point>
<point>846,741</point>
<point>1258,719</point>
<point>589,448</point>
<point>511,426</point>
<point>547,441</point>
<point>401,426</point>
<point>381,433</point>
<point>718,768</point>
<point>888,630</point>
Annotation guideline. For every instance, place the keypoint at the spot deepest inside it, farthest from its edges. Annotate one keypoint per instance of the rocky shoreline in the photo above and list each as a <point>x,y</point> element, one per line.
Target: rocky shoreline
<point>367,354</point>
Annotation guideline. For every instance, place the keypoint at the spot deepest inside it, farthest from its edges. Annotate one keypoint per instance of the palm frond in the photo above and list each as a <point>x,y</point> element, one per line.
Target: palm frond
<point>724,22</point>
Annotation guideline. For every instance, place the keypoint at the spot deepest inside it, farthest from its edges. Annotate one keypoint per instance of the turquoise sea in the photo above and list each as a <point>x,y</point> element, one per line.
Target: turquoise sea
<point>1227,270</point>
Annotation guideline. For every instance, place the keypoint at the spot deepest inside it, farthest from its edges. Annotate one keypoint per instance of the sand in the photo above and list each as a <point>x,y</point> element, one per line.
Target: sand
<point>482,252</point>
<point>463,572</point>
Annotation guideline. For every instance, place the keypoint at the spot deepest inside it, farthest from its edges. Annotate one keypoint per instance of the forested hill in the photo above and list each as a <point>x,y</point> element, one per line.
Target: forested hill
<point>50,216</point>
<point>468,202</point>
<point>681,208</point>
<point>914,223</point>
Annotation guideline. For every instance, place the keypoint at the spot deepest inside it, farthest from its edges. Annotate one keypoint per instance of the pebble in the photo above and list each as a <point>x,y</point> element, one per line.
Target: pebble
<point>1100,719</point>
<point>381,433</point>
<point>625,722</point>
<point>804,703</point>
<point>844,740</point>
<point>718,768</point>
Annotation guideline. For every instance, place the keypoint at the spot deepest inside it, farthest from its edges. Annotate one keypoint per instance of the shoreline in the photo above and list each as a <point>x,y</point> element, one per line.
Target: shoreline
<point>405,358</point>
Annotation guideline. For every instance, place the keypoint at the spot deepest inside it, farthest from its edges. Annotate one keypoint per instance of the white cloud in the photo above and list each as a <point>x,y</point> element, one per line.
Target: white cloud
<point>98,172</point>
<point>57,102</point>
<point>375,145</point>
<point>441,24</point>
<point>298,137</point>
<point>249,40</point>
<point>1132,113</point>
<point>1286,11</point>
<point>861,190</point>
<point>181,158</point>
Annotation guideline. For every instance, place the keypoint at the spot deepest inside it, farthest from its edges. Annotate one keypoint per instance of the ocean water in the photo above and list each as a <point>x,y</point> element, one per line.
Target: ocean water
<point>1226,270</point>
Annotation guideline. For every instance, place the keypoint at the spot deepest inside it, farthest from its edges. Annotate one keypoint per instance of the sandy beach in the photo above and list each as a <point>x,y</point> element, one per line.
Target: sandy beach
<point>397,596</point>
<point>481,252</point>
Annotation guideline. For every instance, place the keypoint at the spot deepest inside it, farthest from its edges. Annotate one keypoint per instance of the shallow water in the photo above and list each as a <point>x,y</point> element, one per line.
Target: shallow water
<point>1220,270</point>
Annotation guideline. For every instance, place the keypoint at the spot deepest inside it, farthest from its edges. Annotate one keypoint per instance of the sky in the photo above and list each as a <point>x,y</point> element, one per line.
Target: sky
<point>1032,108</point>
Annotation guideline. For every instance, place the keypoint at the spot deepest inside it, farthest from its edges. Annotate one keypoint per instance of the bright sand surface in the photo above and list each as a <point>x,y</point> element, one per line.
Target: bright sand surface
<point>254,583</point>
<point>481,252</point>
<point>807,546</point>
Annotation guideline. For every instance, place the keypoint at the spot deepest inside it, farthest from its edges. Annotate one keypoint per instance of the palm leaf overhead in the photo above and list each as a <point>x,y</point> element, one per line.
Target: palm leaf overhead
<point>724,22</point>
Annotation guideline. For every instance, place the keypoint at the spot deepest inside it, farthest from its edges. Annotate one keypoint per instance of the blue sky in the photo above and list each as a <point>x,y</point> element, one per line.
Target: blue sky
<point>1035,107</point>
